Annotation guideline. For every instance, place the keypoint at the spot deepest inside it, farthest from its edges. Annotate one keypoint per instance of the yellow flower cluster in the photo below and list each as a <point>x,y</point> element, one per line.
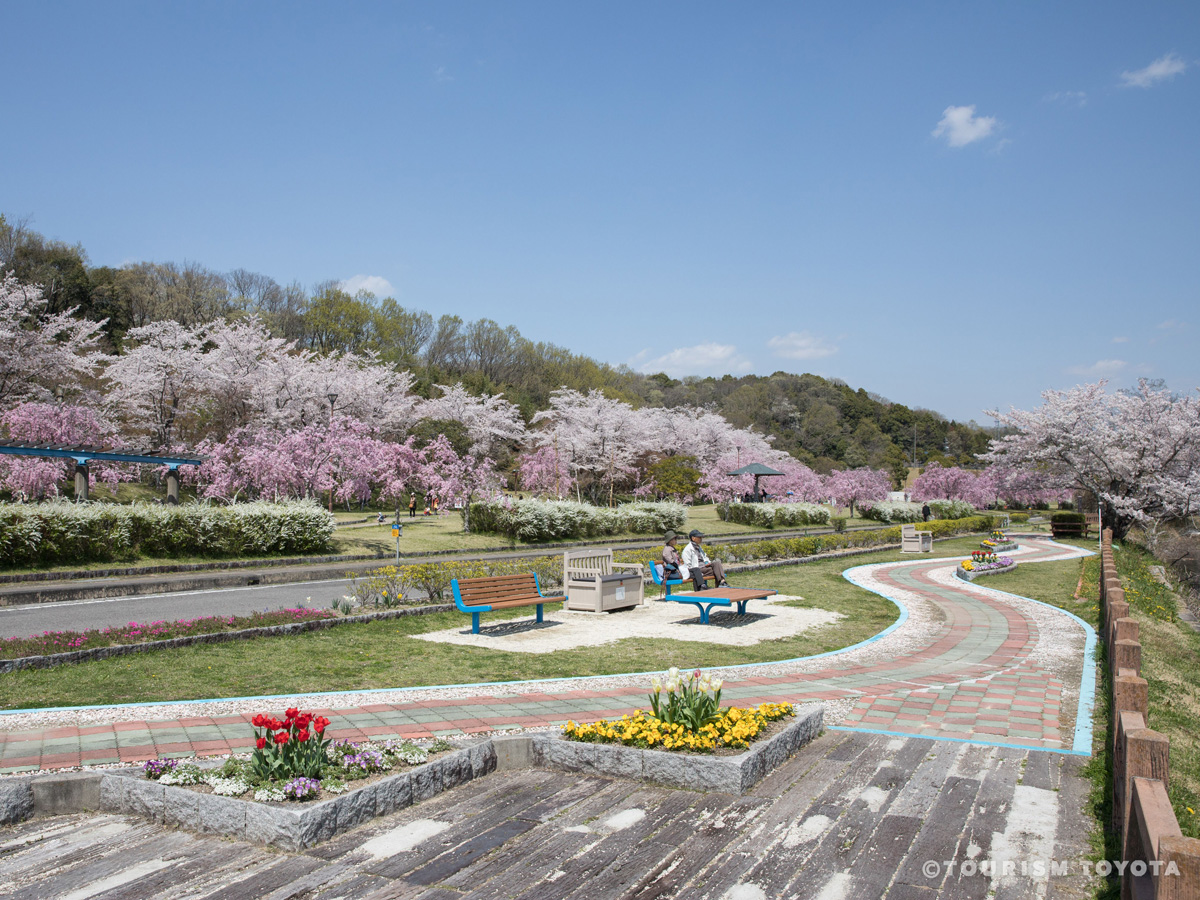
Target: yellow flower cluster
<point>968,565</point>
<point>736,728</point>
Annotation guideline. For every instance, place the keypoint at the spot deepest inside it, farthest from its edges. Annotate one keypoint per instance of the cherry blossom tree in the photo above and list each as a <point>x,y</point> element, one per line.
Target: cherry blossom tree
<point>848,487</point>
<point>1136,451</point>
<point>159,381</point>
<point>941,483</point>
<point>39,351</point>
<point>33,478</point>
<point>491,422</point>
<point>599,439</point>
<point>541,472</point>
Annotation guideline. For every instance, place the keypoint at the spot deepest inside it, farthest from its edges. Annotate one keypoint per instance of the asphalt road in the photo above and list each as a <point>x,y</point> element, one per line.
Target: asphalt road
<point>79,615</point>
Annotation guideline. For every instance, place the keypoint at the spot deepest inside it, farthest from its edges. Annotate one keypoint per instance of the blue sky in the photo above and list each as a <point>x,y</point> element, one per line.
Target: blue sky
<point>954,205</point>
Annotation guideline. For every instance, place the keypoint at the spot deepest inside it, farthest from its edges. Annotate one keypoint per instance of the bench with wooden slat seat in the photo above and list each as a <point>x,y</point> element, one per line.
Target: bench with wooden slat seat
<point>721,596</point>
<point>480,595</point>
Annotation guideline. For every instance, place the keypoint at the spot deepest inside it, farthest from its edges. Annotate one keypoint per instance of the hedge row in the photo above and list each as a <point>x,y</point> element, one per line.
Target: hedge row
<point>395,585</point>
<point>774,515</point>
<point>55,533</point>
<point>799,547</point>
<point>890,512</point>
<point>548,520</point>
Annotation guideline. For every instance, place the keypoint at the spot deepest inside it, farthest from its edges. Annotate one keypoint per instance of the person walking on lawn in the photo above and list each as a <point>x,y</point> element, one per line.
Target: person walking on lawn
<point>698,563</point>
<point>412,505</point>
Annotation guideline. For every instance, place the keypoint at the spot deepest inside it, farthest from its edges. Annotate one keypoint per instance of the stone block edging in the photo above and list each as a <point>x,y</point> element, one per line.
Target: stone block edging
<point>1000,548</point>
<point>730,774</point>
<point>976,573</point>
<point>128,792</point>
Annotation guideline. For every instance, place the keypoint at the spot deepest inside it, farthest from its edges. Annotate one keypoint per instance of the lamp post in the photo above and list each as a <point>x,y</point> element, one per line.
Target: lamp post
<point>332,395</point>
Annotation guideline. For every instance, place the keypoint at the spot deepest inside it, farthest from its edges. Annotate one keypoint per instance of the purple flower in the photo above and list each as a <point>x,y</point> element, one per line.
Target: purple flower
<point>301,788</point>
<point>157,768</point>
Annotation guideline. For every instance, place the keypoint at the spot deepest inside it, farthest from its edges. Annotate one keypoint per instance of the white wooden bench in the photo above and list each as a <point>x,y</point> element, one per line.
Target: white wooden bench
<point>591,585</point>
<point>913,541</point>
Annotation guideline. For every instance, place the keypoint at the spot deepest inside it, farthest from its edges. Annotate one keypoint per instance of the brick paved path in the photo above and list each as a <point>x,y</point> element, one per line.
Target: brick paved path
<point>973,677</point>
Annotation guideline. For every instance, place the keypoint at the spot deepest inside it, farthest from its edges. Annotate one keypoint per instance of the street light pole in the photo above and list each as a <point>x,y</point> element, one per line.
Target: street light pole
<point>332,395</point>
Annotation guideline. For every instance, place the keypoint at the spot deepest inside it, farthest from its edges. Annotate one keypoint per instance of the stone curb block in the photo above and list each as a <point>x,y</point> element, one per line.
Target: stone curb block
<point>730,774</point>
<point>971,576</point>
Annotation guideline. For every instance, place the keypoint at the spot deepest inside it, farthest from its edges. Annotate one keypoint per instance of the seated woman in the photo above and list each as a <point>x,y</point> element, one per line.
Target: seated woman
<point>673,566</point>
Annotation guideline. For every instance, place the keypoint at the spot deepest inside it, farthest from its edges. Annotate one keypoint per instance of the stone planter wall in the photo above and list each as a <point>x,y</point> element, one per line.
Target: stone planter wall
<point>293,827</point>
<point>978,573</point>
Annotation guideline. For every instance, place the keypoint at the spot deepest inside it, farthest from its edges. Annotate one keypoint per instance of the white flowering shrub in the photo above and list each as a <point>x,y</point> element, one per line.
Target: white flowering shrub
<point>775,515</point>
<point>892,513</point>
<point>547,520</point>
<point>62,532</point>
<point>951,509</point>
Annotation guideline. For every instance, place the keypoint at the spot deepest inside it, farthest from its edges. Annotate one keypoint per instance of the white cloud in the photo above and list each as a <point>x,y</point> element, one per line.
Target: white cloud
<point>1120,340</point>
<point>960,126</point>
<point>702,359</point>
<point>801,345</point>
<point>374,284</point>
<point>1171,325</point>
<point>1162,69</point>
<point>1102,368</point>
<point>1068,98</point>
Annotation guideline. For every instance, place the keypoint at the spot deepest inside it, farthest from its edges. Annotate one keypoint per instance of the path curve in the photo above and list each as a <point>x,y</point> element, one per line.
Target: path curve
<point>962,662</point>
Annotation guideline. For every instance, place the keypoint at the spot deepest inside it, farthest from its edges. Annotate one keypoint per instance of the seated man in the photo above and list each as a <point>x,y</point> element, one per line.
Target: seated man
<point>699,564</point>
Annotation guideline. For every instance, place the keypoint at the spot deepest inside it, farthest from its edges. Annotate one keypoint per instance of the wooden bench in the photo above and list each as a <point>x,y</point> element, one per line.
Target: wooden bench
<point>913,541</point>
<point>721,596</point>
<point>480,595</point>
<point>590,584</point>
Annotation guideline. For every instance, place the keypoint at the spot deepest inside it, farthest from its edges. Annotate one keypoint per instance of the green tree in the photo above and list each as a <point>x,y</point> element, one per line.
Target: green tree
<point>676,476</point>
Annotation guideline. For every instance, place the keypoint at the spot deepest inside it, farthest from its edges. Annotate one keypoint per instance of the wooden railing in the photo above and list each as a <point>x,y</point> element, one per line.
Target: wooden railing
<point>1160,862</point>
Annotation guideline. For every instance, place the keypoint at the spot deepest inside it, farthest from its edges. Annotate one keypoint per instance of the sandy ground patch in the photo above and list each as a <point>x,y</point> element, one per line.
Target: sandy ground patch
<point>765,620</point>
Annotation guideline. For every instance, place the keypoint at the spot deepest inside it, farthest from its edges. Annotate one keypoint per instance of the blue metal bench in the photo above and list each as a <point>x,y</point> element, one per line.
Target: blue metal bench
<point>480,595</point>
<point>722,596</point>
<point>656,575</point>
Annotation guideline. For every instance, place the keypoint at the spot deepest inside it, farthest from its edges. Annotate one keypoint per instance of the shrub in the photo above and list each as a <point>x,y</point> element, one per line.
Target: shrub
<point>889,512</point>
<point>60,532</point>
<point>951,509</point>
<point>775,515</point>
<point>533,521</point>
<point>1072,517</point>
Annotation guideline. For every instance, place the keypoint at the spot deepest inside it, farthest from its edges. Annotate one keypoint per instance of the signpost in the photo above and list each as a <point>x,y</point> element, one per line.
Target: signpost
<point>397,530</point>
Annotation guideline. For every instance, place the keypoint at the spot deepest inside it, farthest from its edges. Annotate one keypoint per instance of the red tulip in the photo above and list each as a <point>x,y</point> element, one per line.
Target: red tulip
<point>302,736</point>
<point>281,737</point>
<point>261,743</point>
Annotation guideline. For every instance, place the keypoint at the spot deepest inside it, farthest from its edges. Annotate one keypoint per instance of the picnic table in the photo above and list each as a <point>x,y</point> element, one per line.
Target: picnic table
<point>720,596</point>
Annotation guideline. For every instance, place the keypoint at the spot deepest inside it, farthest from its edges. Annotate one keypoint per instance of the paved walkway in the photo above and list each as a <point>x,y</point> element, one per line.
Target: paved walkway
<point>981,671</point>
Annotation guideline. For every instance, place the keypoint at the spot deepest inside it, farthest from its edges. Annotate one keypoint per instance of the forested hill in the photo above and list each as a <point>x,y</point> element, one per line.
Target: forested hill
<point>821,422</point>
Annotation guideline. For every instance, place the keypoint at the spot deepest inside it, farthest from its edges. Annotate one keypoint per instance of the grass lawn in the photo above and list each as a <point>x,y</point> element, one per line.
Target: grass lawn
<point>385,655</point>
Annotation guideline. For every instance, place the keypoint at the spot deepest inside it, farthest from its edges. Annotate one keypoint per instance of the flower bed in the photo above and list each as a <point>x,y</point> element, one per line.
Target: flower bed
<point>690,717</point>
<point>997,542</point>
<point>983,562</point>
<point>51,642</point>
<point>294,761</point>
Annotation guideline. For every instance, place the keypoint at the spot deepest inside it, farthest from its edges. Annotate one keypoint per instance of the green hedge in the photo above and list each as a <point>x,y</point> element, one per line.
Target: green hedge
<point>774,515</point>
<point>796,547</point>
<point>57,533</point>
<point>548,520</point>
<point>1071,517</point>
